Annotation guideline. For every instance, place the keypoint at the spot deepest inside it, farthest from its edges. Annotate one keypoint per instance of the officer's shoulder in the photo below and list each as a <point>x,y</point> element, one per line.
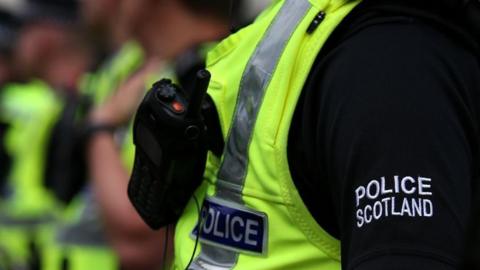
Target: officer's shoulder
<point>399,39</point>
<point>390,61</point>
<point>396,45</point>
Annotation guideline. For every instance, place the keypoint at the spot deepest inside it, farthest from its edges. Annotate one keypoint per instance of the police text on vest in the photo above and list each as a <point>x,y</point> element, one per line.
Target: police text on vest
<point>232,226</point>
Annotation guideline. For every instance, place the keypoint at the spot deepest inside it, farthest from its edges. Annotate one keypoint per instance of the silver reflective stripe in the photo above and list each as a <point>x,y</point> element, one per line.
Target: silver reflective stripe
<point>81,234</point>
<point>255,81</point>
<point>87,230</point>
<point>9,221</point>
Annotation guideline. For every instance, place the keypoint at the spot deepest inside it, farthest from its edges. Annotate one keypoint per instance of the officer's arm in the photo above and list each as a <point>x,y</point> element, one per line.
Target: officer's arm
<point>137,245</point>
<point>397,131</point>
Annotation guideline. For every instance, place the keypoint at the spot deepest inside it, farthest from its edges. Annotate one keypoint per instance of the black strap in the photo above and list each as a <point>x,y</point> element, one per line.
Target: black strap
<point>65,168</point>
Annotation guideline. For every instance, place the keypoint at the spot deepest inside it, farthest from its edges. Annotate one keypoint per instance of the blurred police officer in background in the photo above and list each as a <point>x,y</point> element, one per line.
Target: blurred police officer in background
<point>79,241</point>
<point>48,60</point>
<point>51,52</point>
<point>117,54</point>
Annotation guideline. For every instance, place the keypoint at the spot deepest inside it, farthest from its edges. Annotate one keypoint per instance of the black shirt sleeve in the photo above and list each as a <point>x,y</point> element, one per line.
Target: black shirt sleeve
<point>383,145</point>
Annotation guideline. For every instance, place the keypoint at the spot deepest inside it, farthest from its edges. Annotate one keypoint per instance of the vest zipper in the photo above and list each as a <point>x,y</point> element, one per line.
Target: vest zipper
<point>316,22</point>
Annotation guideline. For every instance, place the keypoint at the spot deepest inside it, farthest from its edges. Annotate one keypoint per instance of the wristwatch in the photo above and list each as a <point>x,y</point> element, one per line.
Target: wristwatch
<point>92,129</point>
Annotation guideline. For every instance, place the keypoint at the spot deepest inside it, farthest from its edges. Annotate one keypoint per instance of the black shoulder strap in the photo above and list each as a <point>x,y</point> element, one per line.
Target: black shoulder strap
<point>65,165</point>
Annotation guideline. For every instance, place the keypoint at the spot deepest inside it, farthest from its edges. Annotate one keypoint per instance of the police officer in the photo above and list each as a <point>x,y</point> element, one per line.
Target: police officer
<point>351,131</point>
<point>80,240</point>
<point>47,59</point>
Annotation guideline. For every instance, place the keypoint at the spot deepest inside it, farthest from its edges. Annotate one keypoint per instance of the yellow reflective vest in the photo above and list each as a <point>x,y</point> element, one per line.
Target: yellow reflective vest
<point>27,209</point>
<point>253,216</point>
<point>101,84</point>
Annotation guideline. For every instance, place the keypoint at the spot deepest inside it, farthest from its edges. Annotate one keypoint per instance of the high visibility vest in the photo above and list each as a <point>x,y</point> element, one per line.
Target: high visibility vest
<point>101,84</point>
<point>31,110</point>
<point>79,241</point>
<point>253,216</point>
<point>27,209</point>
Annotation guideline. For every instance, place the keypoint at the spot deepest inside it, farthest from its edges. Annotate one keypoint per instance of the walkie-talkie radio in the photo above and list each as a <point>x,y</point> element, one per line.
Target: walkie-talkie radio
<point>171,149</point>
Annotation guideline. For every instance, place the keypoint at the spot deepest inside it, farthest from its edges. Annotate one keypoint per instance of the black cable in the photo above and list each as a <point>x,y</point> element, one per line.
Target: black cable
<point>199,229</point>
